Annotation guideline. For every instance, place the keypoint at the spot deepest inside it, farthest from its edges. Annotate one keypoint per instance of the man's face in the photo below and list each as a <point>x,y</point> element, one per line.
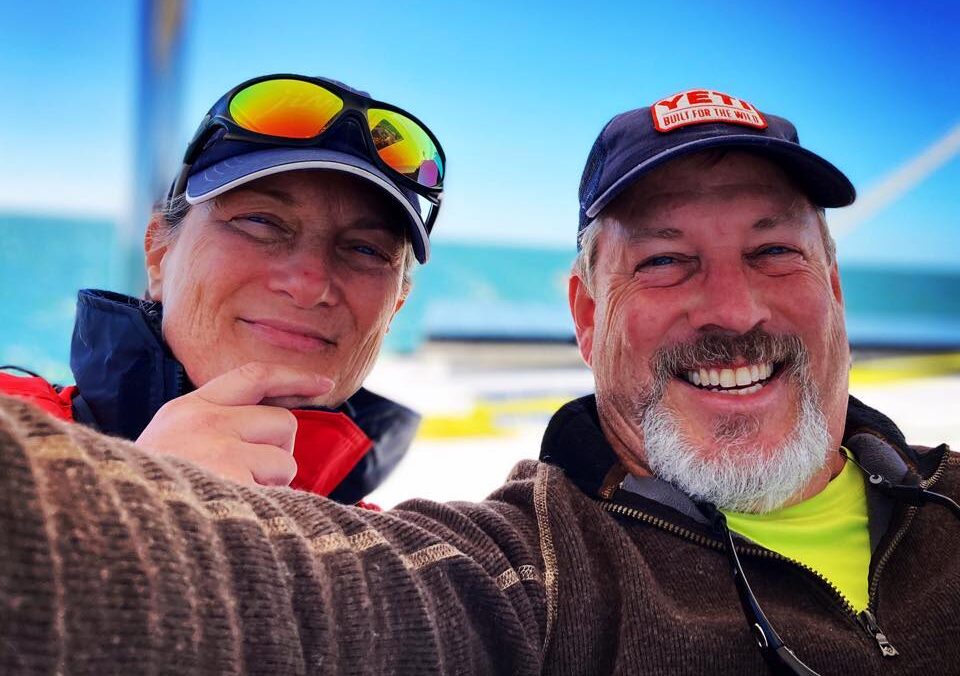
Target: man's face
<point>302,268</point>
<point>715,270</point>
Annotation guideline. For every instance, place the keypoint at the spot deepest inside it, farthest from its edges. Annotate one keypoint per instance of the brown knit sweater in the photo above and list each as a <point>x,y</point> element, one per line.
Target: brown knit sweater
<point>114,561</point>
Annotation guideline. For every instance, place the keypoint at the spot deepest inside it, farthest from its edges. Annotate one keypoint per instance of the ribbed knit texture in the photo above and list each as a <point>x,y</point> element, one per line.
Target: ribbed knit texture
<point>113,561</point>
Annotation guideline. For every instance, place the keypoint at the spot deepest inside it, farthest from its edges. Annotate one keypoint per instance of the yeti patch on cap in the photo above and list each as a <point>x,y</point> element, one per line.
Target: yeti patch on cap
<point>701,106</point>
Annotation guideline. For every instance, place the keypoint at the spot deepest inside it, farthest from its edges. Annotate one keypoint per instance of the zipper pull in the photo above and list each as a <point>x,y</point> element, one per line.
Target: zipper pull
<point>869,623</point>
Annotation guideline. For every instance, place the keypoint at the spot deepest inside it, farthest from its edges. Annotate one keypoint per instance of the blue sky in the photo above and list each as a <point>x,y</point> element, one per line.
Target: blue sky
<point>515,91</point>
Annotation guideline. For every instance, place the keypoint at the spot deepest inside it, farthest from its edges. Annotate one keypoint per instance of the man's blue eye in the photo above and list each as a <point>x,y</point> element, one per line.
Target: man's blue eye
<point>660,261</point>
<point>367,250</point>
<point>775,250</point>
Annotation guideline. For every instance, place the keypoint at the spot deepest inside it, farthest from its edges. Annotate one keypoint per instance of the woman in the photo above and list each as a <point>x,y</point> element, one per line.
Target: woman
<point>275,265</point>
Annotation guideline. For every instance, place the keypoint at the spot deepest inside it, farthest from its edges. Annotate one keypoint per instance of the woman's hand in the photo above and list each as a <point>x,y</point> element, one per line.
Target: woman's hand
<point>225,428</point>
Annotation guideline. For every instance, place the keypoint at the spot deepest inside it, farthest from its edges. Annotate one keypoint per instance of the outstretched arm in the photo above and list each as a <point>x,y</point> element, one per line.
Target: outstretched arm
<point>113,560</point>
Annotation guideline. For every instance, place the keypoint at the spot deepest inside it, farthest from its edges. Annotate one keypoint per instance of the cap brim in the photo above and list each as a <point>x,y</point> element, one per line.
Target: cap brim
<point>240,169</point>
<point>823,183</point>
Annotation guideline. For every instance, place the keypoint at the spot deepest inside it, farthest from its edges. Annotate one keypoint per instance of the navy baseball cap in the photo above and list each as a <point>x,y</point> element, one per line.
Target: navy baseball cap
<point>638,141</point>
<point>226,164</point>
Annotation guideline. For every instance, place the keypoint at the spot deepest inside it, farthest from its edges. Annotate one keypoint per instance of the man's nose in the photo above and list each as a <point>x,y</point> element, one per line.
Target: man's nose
<point>728,300</point>
<point>308,277</point>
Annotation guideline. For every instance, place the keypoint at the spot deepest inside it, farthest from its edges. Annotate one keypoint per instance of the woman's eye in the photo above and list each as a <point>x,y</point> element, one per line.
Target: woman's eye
<point>367,254</point>
<point>259,220</point>
<point>259,227</point>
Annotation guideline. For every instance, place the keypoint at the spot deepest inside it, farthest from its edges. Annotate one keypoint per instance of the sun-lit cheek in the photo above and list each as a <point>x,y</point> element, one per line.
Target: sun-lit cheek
<point>355,367</point>
<point>839,348</point>
<point>613,354</point>
<point>183,329</point>
<point>369,329</point>
<point>626,326</point>
<point>190,325</point>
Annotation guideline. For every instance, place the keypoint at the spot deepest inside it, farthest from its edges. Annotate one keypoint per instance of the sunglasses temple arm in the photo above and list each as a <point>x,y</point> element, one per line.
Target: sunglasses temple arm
<point>206,129</point>
<point>434,212</point>
<point>788,664</point>
<point>779,657</point>
<point>180,183</point>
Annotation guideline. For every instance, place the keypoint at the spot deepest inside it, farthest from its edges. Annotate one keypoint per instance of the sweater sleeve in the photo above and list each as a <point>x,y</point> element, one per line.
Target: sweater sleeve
<point>115,561</point>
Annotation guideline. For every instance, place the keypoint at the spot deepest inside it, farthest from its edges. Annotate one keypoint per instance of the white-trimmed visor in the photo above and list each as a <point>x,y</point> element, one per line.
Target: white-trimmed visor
<point>240,169</point>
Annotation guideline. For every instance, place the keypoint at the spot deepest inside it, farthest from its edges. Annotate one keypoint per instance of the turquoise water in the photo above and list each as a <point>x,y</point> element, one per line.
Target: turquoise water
<point>43,261</point>
<point>466,291</point>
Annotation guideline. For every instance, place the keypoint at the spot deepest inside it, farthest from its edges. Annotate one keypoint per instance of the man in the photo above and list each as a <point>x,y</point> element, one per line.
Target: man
<point>275,266</point>
<point>707,300</point>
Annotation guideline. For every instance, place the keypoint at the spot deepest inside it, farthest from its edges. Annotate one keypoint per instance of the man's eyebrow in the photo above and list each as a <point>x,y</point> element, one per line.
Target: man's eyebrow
<point>281,196</point>
<point>644,234</point>
<point>790,218</point>
<point>774,221</point>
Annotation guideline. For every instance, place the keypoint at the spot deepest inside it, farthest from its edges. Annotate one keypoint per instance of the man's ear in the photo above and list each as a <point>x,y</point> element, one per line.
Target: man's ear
<point>582,307</point>
<point>156,243</point>
<point>835,283</point>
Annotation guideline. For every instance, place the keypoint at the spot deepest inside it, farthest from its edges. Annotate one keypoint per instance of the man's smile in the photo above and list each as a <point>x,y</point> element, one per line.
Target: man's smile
<point>731,379</point>
<point>729,388</point>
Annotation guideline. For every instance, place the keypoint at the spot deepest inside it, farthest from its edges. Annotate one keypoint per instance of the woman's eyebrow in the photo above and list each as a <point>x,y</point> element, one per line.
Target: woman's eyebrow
<point>281,196</point>
<point>367,222</point>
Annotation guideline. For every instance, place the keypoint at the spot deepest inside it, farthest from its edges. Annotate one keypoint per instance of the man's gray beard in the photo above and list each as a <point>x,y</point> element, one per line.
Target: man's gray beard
<point>736,476</point>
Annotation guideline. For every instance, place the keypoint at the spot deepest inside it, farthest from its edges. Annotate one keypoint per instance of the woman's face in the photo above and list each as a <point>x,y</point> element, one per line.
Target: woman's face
<point>303,268</point>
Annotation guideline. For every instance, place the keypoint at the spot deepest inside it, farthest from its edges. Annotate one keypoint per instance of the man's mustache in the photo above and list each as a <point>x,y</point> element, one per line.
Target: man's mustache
<point>756,346</point>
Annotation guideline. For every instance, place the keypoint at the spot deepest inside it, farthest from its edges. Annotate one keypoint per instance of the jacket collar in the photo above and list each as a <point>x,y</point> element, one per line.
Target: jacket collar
<point>123,369</point>
<point>574,442</point>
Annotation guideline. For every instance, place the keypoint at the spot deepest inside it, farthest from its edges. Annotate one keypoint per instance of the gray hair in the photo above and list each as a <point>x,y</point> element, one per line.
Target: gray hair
<point>587,252</point>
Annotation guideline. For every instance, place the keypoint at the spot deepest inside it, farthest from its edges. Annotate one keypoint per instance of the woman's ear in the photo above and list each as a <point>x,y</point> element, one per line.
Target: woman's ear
<point>156,243</point>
